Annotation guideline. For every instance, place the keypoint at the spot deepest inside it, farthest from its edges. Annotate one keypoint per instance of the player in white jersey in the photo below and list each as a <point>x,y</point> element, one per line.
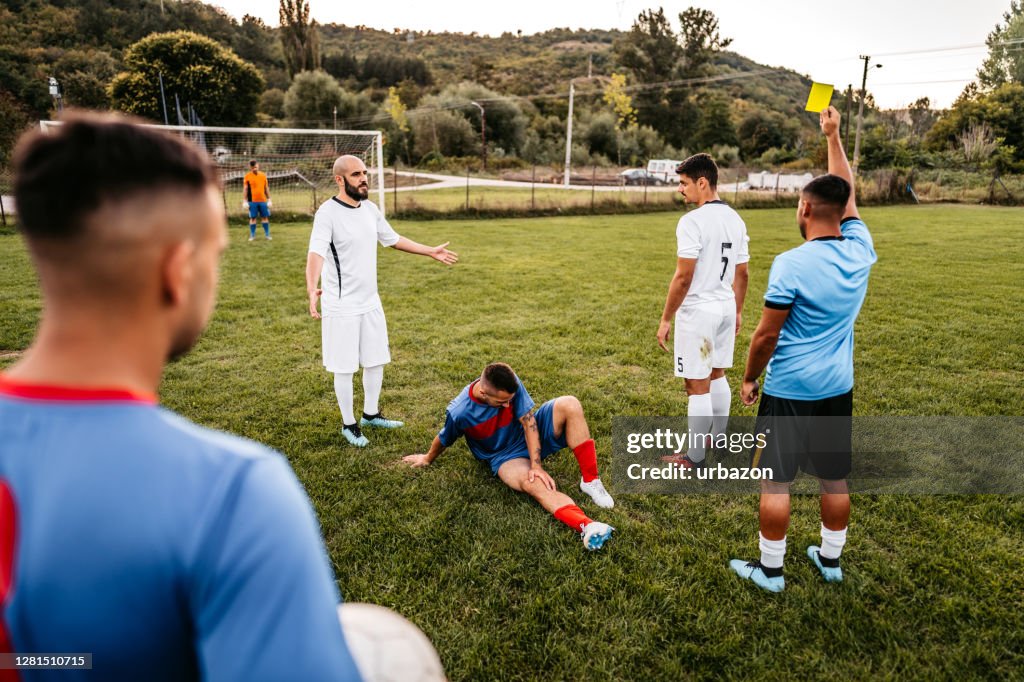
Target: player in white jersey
<point>343,260</point>
<point>705,297</point>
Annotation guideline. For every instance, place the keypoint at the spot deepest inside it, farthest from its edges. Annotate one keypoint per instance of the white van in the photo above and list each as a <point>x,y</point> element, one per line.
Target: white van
<point>663,169</point>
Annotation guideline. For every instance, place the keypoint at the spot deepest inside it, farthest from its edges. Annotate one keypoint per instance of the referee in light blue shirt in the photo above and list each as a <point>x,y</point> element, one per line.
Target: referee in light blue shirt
<point>805,338</point>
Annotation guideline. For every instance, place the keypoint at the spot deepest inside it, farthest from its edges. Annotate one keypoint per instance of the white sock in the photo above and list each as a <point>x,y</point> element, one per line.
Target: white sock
<point>698,420</point>
<point>373,379</point>
<point>343,390</point>
<point>832,542</point>
<point>721,400</point>
<point>772,551</point>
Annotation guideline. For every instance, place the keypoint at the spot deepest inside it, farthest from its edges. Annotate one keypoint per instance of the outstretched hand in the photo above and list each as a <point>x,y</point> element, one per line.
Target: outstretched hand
<point>829,120</point>
<point>416,461</point>
<point>442,254</point>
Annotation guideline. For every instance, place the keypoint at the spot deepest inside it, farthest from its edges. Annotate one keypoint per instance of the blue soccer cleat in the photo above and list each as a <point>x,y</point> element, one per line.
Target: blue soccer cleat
<point>380,421</point>
<point>595,534</point>
<point>354,436</point>
<point>831,574</point>
<point>754,572</point>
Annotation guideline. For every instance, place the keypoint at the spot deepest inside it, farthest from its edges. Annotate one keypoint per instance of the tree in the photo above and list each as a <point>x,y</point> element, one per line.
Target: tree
<point>760,131</point>
<point>443,132</point>
<point>715,127</point>
<point>659,58</point>
<point>700,39</point>
<point>1005,62</point>
<point>341,65</point>
<point>398,129</point>
<point>312,97</point>
<point>222,88</point>
<point>299,37</point>
<point>506,123</point>
<point>13,122</point>
<point>922,117</point>
<point>1000,109</point>
<point>622,104</point>
<point>84,76</point>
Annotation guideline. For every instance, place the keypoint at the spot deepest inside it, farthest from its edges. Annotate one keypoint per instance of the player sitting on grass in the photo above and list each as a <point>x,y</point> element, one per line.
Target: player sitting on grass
<point>495,414</point>
<point>805,337</point>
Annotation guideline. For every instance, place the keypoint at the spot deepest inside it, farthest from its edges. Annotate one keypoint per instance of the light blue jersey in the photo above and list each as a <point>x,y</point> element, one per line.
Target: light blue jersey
<point>823,283</point>
<point>167,551</point>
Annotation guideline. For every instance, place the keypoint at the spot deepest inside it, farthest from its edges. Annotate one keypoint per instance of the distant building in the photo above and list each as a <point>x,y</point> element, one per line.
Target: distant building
<point>784,182</point>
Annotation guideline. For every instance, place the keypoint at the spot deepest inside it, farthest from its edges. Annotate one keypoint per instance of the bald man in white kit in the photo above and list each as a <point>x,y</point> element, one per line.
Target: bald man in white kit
<point>346,230</point>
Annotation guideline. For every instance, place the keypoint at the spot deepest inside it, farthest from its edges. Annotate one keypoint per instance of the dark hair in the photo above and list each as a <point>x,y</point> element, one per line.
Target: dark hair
<point>699,166</point>
<point>63,177</point>
<point>830,190</point>
<point>500,376</point>
<point>253,163</point>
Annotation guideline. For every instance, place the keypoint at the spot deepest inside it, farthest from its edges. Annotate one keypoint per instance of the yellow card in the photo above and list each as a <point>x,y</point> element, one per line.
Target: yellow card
<point>821,95</point>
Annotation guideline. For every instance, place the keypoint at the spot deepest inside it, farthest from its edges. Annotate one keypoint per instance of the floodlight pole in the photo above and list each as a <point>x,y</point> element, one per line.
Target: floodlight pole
<point>860,110</point>
<point>568,134</point>
<point>483,131</point>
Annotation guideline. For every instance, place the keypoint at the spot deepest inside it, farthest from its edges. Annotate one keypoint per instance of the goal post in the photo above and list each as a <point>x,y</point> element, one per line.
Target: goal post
<point>298,161</point>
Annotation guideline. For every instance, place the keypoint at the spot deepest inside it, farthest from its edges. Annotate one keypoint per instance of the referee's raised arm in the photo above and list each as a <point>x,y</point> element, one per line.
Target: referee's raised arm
<point>837,161</point>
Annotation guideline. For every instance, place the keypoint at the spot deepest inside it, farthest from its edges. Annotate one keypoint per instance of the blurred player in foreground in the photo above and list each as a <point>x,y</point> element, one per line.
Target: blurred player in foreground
<point>166,550</point>
<point>495,414</point>
<point>805,338</point>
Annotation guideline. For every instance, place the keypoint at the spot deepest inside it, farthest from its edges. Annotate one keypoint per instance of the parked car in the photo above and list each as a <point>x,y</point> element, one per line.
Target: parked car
<point>639,176</point>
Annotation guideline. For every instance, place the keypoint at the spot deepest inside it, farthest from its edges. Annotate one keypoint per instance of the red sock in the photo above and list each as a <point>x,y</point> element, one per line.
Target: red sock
<point>586,455</point>
<point>572,516</point>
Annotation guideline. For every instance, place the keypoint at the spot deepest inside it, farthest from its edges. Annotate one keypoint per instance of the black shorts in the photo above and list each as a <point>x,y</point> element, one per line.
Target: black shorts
<point>812,436</point>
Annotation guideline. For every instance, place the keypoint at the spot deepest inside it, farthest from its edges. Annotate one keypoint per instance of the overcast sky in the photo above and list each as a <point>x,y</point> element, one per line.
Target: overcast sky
<point>820,39</point>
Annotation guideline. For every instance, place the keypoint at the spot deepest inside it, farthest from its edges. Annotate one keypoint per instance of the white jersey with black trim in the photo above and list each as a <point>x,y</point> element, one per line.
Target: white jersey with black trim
<point>716,236</point>
<point>346,237</point>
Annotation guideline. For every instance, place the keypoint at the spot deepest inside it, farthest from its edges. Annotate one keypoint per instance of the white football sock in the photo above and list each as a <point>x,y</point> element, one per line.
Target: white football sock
<point>772,551</point>
<point>698,420</point>
<point>832,542</point>
<point>343,390</point>
<point>721,400</point>
<point>373,379</point>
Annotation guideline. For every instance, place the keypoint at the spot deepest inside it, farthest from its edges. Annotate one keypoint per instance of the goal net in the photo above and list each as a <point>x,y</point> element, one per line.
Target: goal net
<point>298,162</point>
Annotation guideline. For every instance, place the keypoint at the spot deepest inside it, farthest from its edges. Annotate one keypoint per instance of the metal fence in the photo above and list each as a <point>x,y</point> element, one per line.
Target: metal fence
<point>541,190</point>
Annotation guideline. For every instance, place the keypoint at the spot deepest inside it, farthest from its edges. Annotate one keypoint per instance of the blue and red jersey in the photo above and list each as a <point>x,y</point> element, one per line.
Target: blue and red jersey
<point>167,551</point>
<point>491,432</point>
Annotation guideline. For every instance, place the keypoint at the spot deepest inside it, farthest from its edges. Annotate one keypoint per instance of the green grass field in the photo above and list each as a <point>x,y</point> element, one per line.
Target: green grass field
<point>934,585</point>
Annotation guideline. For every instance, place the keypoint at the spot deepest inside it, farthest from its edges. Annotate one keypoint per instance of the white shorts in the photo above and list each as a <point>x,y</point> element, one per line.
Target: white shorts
<point>705,338</point>
<point>355,340</point>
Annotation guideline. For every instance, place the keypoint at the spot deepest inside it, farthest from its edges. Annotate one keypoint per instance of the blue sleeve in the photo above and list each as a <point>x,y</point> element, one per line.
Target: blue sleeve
<point>450,432</point>
<point>263,598</point>
<point>782,287</point>
<point>855,230</point>
<point>522,402</point>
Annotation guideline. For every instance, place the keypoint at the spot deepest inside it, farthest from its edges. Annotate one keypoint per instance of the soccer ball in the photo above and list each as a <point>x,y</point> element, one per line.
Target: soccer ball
<point>387,647</point>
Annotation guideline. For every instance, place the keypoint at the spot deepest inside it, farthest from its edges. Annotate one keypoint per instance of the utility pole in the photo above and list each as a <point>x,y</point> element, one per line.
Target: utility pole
<point>568,135</point>
<point>846,119</point>
<point>860,110</point>
<point>483,131</point>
